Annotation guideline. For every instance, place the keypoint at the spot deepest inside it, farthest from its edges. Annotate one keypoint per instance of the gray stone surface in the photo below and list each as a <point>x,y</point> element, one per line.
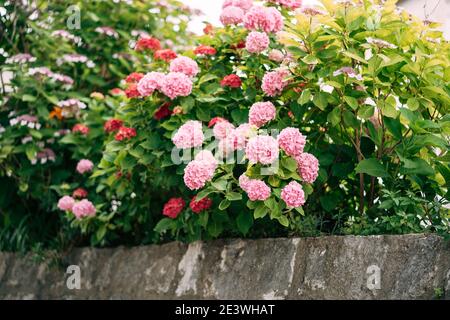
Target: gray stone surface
<point>374,267</point>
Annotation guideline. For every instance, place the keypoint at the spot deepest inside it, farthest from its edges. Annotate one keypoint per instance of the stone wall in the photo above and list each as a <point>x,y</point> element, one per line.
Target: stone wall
<point>374,267</point>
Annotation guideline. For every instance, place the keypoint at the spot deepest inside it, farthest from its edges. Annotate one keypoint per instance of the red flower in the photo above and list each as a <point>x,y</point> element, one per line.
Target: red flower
<point>208,29</point>
<point>116,92</point>
<point>239,45</point>
<point>80,128</point>
<point>132,91</point>
<point>80,193</point>
<point>214,120</point>
<point>173,207</point>
<point>205,50</point>
<point>148,43</point>
<point>165,54</point>
<point>134,77</point>
<point>163,111</point>
<point>201,205</point>
<point>232,81</point>
<point>125,133</point>
<point>112,125</point>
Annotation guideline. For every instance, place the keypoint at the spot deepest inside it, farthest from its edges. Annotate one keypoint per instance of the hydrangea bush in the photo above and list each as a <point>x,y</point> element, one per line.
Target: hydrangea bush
<point>297,72</point>
<point>288,120</point>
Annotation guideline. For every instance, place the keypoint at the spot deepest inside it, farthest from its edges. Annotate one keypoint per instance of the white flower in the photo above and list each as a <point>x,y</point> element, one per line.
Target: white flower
<point>325,87</point>
<point>133,195</point>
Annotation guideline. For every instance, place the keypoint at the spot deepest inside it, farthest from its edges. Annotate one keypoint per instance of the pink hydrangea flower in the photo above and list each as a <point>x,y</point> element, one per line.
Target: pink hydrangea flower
<point>257,190</point>
<point>293,194</point>
<point>274,82</point>
<point>261,112</point>
<point>267,19</point>
<point>243,4</point>
<point>231,15</point>
<point>291,141</point>
<point>84,166</point>
<point>66,203</point>
<point>189,135</point>
<point>262,149</point>
<point>184,65</point>
<point>197,173</point>
<point>291,4</point>
<point>276,55</point>
<point>222,129</point>
<point>149,83</point>
<point>176,84</point>
<point>208,159</point>
<point>308,167</point>
<point>237,139</point>
<point>244,181</point>
<point>83,208</point>
<point>257,42</point>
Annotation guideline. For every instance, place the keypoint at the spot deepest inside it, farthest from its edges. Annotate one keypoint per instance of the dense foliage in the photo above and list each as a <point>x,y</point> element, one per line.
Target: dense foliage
<point>289,120</point>
<point>63,58</point>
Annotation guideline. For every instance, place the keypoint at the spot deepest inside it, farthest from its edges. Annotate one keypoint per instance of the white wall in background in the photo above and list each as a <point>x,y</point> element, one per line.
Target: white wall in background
<point>434,10</point>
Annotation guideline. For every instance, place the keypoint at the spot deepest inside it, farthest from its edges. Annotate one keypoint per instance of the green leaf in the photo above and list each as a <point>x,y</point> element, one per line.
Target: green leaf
<point>274,181</point>
<point>100,234</point>
<point>207,77</point>
<point>225,203</point>
<point>215,227</point>
<point>187,103</point>
<point>270,203</point>
<point>310,59</point>
<point>334,117</point>
<point>394,126</point>
<point>165,224</point>
<point>388,107</point>
<point>203,194</point>
<point>283,220</point>
<point>366,111</point>
<point>371,167</point>
<point>305,97</point>
<point>239,115</point>
<point>413,104</point>
<point>350,119</point>
<point>328,202</point>
<point>290,164</point>
<point>244,222</point>
<point>352,102</point>
<point>203,114</point>
<point>30,151</point>
<point>417,166</point>
<point>220,184</point>
<point>260,211</point>
<point>128,162</point>
<point>354,56</point>
<point>233,196</point>
<point>28,98</point>
<point>320,100</point>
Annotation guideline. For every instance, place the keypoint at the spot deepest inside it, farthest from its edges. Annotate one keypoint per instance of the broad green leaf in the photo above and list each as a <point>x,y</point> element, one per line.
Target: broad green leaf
<point>165,224</point>
<point>372,167</point>
<point>304,97</point>
<point>244,222</point>
<point>352,102</point>
<point>225,203</point>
